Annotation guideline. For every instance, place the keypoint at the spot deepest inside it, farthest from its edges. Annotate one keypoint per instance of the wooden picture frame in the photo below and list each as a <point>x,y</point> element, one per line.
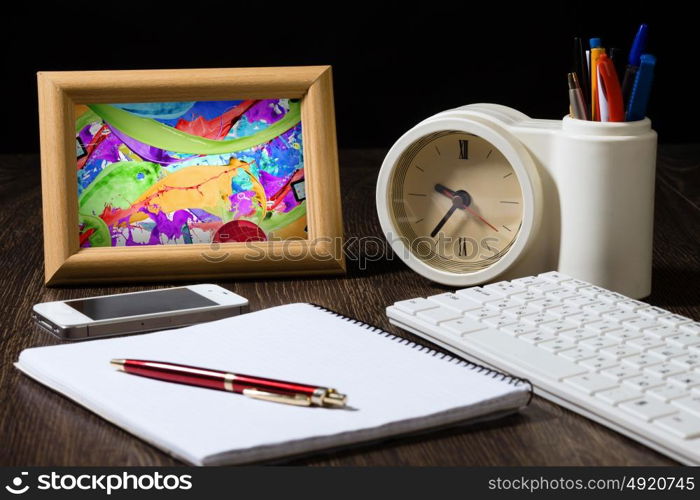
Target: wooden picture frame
<point>67,263</point>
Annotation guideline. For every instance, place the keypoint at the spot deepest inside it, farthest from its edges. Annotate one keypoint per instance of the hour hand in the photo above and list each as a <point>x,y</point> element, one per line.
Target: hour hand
<point>445,191</point>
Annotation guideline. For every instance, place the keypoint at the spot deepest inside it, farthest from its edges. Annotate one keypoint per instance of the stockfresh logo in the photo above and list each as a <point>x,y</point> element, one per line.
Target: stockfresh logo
<point>106,483</point>
<point>17,486</point>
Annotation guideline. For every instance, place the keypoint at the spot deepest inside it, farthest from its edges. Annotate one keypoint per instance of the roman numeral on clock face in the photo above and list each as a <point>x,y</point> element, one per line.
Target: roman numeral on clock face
<point>462,247</point>
<point>463,149</point>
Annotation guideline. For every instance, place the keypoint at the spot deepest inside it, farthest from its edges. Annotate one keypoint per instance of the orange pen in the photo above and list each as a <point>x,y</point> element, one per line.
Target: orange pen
<point>596,51</point>
<point>610,88</point>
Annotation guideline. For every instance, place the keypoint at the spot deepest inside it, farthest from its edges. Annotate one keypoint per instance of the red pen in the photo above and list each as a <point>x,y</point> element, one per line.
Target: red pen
<point>610,88</point>
<point>267,389</point>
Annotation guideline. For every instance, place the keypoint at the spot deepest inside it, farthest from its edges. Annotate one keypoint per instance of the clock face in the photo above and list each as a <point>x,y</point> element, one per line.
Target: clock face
<point>456,202</point>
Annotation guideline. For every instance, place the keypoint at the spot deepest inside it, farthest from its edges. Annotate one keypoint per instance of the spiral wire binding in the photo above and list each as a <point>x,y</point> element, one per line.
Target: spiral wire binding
<point>509,379</point>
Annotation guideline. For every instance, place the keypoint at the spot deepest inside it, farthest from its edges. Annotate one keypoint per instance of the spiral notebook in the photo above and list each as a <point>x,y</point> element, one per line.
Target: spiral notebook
<point>394,386</point>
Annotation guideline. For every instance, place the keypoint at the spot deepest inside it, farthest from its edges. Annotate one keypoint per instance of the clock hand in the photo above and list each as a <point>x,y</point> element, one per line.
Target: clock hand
<point>457,202</point>
<point>480,217</point>
<point>467,200</point>
<point>444,190</point>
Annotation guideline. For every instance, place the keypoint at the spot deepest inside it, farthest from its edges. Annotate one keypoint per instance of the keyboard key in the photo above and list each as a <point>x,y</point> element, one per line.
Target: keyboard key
<point>620,372</point>
<point>517,329</point>
<point>478,294</point>
<point>640,323</point>
<point>691,328</point>
<point>574,284</point>
<point>611,297</point>
<point>653,312</point>
<point>618,351</point>
<point>504,288</point>
<point>685,380</point>
<point>667,392</point>
<point>412,306</point>
<point>592,291</point>
<point>631,305</point>
<point>520,311</point>
<point>538,319</point>
<point>618,395</point>
<point>580,301</point>
<point>623,334</point>
<point>543,288</point>
<point>560,294</point>
<point>687,361</point>
<point>499,322</point>
<point>600,362</point>
<point>557,327</point>
<point>554,277</point>
<point>674,320</point>
<point>684,425</point>
<point>641,360</point>
<point>536,337</point>
<point>619,315</point>
<point>462,325</point>
<point>598,343</point>
<point>690,404</point>
<point>438,315</point>
<point>661,331</point>
<point>524,297</point>
<point>648,408</point>
<point>590,383</point>
<point>668,352</point>
<point>563,311</point>
<point>599,308</point>
<point>481,314</point>
<point>528,358</point>
<point>664,370</point>
<point>583,318</point>
<point>577,335</point>
<point>502,304</point>
<point>578,354</point>
<point>556,345</point>
<point>528,280</point>
<point>601,326</point>
<point>543,303</point>
<point>455,302</point>
<point>684,339</point>
<point>643,382</point>
<point>646,342</point>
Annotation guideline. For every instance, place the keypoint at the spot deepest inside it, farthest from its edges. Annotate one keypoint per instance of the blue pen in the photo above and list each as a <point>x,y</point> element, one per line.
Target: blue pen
<point>638,46</point>
<point>639,98</point>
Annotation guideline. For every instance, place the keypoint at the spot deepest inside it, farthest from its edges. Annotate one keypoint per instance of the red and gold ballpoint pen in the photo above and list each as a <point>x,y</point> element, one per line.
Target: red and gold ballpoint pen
<point>267,389</point>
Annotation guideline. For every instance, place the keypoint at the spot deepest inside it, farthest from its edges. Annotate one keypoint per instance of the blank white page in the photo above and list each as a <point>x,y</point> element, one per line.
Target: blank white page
<point>393,386</point>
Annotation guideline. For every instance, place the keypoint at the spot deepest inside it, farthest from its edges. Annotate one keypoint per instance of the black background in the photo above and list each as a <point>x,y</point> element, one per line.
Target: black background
<point>394,63</point>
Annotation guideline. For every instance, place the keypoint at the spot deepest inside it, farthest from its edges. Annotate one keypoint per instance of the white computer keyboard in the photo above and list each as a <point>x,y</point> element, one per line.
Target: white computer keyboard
<point>628,365</point>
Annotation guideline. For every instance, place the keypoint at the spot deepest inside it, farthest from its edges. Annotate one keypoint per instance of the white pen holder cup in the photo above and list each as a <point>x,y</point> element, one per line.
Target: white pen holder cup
<point>605,173</point>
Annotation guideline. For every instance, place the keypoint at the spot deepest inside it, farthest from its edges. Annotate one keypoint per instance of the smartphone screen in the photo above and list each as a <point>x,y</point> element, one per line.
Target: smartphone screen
<point>135,304</point>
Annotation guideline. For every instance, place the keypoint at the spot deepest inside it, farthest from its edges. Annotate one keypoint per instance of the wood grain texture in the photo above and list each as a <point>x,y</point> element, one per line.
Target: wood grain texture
<point>39,427</point>
<point>66,263</point>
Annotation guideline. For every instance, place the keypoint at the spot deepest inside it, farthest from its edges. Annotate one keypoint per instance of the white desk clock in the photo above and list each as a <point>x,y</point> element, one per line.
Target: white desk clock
<point>483,192</point>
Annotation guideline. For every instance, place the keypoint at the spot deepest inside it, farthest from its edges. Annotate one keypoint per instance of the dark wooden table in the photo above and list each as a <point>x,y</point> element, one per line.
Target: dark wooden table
<point>39,427</point>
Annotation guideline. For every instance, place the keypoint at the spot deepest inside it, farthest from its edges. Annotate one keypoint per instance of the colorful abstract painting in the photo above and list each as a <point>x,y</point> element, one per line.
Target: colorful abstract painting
<point>190,172</point>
